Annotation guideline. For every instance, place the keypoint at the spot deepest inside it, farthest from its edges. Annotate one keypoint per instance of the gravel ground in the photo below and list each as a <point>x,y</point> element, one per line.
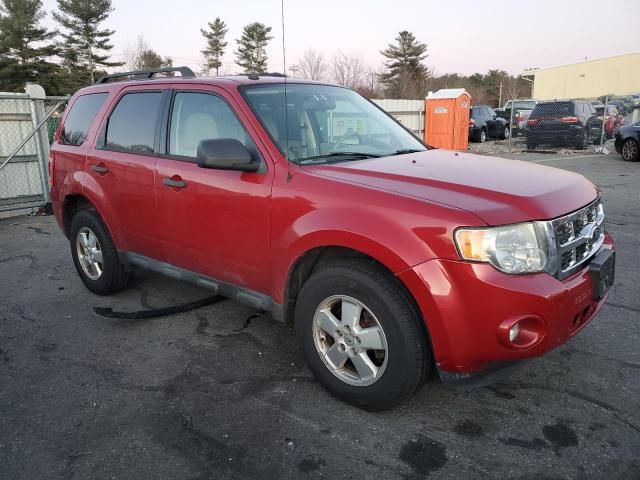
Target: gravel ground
<point>218,394</point>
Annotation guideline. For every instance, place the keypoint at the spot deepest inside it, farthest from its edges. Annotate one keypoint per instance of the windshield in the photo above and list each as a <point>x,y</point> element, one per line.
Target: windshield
<point>523,105</point>
<point>327,123</point>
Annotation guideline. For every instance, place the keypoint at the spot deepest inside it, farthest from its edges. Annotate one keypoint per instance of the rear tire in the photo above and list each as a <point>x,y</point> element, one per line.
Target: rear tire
<point>583,140</point>
<point>380,304</point>
<point>95,256</point>
<point>630,150</point>
<point>483,136</point>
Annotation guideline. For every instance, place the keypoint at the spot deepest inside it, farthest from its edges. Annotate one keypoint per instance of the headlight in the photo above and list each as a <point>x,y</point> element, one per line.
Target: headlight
<point>515,249</point>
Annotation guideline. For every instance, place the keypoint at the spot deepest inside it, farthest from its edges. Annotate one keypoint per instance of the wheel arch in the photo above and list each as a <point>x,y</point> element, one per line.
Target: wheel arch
<point>314,258</point>
<point>75,202</point>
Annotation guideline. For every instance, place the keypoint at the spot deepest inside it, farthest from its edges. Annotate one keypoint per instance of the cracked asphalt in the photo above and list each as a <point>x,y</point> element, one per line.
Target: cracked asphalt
<point>219,393</point>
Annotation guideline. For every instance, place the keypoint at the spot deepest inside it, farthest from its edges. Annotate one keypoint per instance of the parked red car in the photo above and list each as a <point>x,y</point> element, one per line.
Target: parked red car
<point>613,120</point>
<point>392,259</point>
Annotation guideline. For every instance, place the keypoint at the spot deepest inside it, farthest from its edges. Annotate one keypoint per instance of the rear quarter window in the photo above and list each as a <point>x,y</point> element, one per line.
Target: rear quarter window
<point>132,124</point>
<point>80,117</point>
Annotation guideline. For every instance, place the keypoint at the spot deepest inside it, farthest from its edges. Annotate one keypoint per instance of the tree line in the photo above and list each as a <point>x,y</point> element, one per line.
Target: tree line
<point>78,51</point>
<point>61,60</point>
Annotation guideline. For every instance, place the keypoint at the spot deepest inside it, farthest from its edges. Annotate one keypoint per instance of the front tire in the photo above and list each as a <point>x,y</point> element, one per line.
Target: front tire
<point>361,335</point>
<point>95,256</point>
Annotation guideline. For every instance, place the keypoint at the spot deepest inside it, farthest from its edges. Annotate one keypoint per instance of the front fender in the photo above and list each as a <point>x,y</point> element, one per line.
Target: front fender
<point>370,234</point>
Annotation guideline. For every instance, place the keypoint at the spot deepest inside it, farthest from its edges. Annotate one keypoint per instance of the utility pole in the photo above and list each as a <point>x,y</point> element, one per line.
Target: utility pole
<point>500,95</point>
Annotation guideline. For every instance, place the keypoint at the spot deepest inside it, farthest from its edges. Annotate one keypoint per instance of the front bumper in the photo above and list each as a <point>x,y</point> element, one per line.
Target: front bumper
<point>465,306</point>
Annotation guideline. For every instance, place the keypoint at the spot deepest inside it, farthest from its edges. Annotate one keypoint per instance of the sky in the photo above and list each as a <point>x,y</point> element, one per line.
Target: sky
<point>462,36</point>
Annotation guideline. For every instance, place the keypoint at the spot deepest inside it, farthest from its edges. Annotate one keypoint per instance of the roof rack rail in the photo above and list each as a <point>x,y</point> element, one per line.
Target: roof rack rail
<point>146,74</point>
<point>256,76</point>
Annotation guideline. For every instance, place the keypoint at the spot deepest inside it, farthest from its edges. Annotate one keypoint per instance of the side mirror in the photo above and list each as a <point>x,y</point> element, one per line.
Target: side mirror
<point>225,154</point>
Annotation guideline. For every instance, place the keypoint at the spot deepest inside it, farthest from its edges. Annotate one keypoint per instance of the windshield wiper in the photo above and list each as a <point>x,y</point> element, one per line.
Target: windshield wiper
<point>407,150</point>
<point>337,156</point>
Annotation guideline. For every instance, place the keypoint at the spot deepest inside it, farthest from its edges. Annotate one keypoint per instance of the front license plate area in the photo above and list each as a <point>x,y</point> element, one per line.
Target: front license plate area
<point>602,269</point>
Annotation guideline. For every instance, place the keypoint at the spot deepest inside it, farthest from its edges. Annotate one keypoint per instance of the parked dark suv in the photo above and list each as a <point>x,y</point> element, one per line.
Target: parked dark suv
<point>484,123</point>
<point>569,123</point>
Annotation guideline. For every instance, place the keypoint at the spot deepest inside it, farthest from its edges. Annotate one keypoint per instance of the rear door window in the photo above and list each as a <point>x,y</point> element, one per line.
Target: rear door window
<point>132,124</point>
<point>80,117</point>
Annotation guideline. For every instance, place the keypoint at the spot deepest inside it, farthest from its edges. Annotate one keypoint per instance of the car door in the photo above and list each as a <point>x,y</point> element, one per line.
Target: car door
<point>212,222</point>
<point>491,122</point>
<point>123,165</point>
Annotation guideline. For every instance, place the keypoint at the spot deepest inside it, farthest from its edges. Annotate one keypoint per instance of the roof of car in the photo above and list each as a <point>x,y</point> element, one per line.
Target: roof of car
<point>230,80</point>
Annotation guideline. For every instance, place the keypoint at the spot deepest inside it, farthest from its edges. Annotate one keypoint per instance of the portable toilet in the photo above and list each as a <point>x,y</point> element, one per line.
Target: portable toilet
<point>447,119</point>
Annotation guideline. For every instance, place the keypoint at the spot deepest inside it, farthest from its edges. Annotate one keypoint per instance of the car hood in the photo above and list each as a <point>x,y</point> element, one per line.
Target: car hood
<point>499,191</point>
<point>629,129</point>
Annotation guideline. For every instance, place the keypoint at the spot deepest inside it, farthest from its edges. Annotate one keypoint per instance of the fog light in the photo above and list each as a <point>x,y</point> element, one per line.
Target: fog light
<point>521,332</point>
<point>514,331</point>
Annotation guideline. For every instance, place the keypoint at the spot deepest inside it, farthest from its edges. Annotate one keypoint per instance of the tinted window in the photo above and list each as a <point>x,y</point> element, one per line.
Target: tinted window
<point>553,109</point>
<point>201,116</point>
<point>525,105</point>
<point>77,124</point>
<point>132,125</point>
<point>491,112</point>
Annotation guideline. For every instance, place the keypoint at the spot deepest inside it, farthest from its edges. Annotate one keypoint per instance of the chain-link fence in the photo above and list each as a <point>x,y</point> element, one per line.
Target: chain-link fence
<point>528,125</point>
<point>558,126</point>
<point>27,123</point>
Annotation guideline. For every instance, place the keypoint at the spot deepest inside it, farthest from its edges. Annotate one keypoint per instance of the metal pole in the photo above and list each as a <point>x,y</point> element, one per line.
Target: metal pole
<point>28,137</point>
<point>511,122</point>
<point>604,119</point>
<point>37,112</point>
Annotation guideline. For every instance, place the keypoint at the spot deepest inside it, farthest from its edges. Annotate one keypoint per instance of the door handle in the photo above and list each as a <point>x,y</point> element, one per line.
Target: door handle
<point>174,183</point>
<point>99,168</point>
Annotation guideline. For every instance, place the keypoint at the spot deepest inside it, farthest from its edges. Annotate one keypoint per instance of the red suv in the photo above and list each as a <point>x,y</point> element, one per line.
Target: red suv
<point>394,261</point>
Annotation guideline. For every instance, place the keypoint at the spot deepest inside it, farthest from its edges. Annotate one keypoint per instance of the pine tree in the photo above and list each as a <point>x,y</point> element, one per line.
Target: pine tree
<point>25,46</point>
<point>215,43</point>
<point>84,39</point>
<point>405,70</point>
<point>251,54</point>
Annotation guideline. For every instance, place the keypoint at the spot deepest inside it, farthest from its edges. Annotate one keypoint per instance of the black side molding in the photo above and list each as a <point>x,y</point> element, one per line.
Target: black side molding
<point>257,300</point>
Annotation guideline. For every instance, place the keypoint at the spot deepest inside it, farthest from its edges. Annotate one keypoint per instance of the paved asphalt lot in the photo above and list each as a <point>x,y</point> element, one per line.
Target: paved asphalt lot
<point>209,394</point>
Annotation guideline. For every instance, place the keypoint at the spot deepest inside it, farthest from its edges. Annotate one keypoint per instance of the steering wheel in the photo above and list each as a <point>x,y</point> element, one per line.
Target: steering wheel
<point>344,137</point>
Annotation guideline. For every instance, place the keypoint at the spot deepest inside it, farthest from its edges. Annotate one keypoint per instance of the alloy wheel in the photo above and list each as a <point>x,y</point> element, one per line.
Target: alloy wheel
<point>629,150</point>
<point>89,253</point>
<point>350,340</point>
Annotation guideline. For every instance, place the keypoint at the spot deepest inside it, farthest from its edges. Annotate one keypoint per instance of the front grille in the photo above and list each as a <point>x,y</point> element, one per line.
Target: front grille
<point>578,237</point>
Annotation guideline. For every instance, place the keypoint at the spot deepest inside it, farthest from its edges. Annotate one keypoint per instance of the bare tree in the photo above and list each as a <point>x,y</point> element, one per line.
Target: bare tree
<point>312,65</point>
<point>348,70</point>
<point>372,85</point>
<point>134,51</point>
<point>139,55</point>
